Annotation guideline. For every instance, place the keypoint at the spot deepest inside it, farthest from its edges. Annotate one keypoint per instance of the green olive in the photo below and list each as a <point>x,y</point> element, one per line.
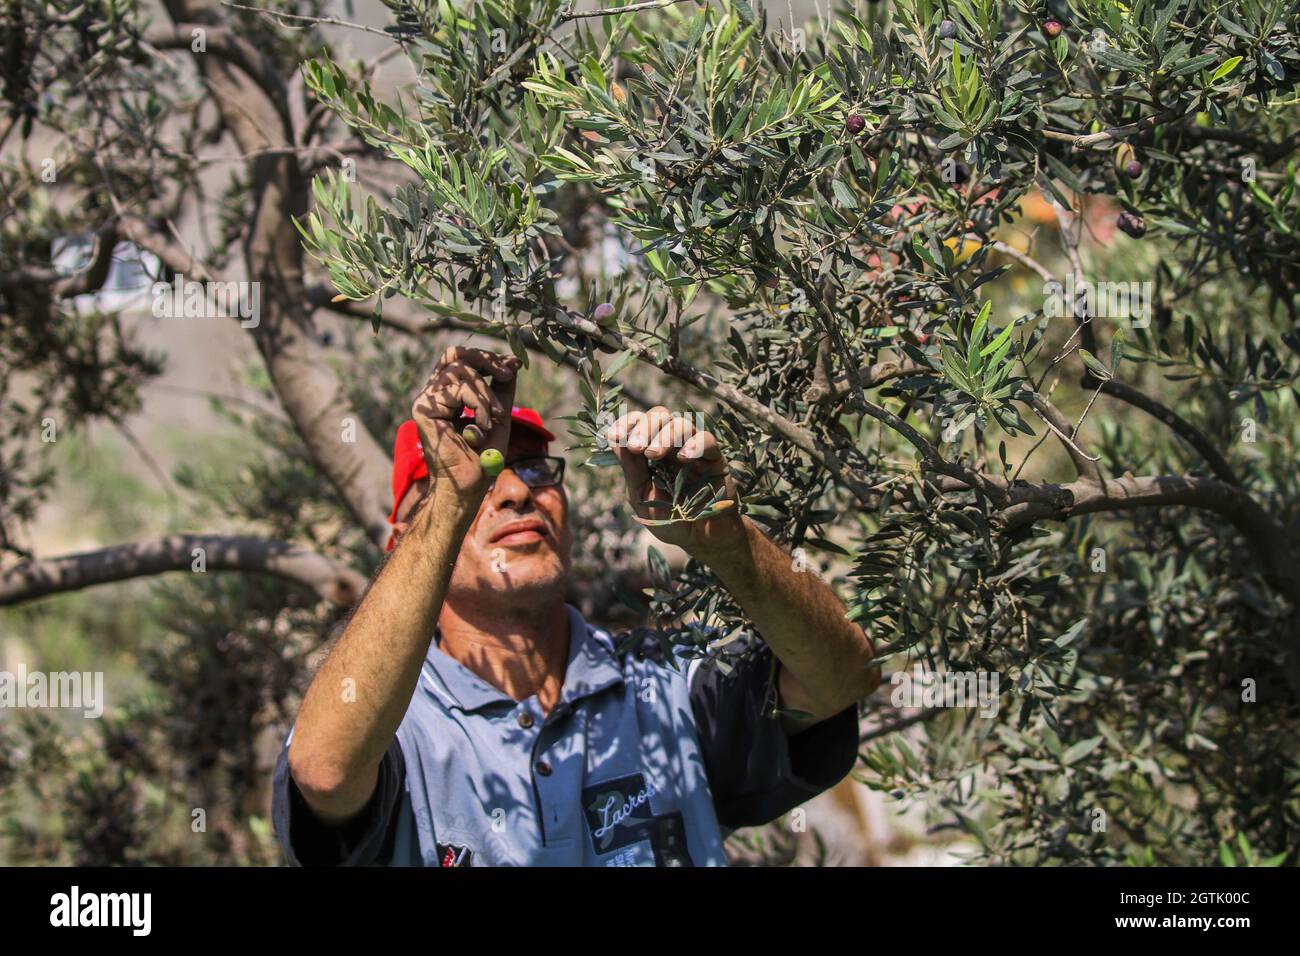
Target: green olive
<point>473,436</point>
<point>493,462</point>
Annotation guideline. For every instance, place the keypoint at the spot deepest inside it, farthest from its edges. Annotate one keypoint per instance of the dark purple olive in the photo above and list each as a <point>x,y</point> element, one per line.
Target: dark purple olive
<point>1133,169</point>
<point>947,29</point>
<point>855,124</point>
<point>1131,225</point>
<point>603,312</point>
<point>1052,29</point>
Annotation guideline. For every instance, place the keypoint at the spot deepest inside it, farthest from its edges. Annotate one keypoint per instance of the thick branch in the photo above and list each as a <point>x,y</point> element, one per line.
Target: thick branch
<point>1266,538</point>
<point>238,52</point>
<point>1179,425</point>
<point>89,279</point>
<point>1059,502</point>
<point>332,581</point>
<point>255,108</point>
<point>780,425</point>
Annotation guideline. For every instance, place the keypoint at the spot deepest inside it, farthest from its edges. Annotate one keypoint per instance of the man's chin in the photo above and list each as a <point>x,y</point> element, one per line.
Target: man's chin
<point>532,579</point>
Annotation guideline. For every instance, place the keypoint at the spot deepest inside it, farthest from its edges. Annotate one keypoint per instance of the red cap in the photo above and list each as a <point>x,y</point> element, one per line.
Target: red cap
<point>408,456</point>
<point>408,463</point>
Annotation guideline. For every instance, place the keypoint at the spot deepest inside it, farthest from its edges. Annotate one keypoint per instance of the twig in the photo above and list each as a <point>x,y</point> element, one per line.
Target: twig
<point>1024,260</point>
<point>1084,464</point>
<point>893,727</point>
<point>322,21</point>
<point>1112,133</point>
<point>613,11</point>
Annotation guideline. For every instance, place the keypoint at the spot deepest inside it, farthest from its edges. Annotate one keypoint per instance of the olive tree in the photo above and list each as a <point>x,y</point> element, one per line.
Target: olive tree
<point>1095,503</point>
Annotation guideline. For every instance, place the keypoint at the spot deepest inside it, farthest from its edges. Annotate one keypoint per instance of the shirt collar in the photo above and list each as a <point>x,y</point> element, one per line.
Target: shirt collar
<point>591,668</point>
<point>592,665</point>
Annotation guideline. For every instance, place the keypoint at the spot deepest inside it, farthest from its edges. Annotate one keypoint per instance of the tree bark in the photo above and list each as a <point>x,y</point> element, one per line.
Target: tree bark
<point>311,393</point>
<point>331,580</point>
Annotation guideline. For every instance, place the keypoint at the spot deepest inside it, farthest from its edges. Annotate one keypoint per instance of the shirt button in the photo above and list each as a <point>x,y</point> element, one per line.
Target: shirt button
<point>543,768</point>
<point>525,720</point>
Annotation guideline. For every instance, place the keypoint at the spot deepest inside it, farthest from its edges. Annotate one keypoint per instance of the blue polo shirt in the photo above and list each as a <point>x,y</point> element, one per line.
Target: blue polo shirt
<point>638,764</point>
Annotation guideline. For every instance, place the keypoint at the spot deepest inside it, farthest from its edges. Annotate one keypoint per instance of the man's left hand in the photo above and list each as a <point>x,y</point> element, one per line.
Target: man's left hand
<point>653,447</point>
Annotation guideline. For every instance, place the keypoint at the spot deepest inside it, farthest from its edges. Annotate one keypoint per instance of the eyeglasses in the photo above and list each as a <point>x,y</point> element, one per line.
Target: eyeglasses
<point>539,472</point>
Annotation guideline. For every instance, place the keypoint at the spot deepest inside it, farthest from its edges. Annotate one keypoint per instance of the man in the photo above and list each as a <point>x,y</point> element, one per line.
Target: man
<point>468,716</point>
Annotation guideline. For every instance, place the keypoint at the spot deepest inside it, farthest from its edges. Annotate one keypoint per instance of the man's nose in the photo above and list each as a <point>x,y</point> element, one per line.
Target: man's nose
<point>509,491</point>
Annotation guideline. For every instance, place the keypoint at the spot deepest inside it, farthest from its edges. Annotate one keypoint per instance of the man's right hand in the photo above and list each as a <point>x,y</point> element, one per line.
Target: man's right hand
<point>459,381</point>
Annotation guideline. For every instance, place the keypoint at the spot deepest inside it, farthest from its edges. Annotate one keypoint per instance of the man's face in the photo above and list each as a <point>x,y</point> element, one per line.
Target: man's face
<point>519,544</point>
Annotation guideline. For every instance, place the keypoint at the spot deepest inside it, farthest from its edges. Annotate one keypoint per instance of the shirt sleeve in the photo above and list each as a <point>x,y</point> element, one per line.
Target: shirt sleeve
<point>365,840</point>
<point>756,770</point>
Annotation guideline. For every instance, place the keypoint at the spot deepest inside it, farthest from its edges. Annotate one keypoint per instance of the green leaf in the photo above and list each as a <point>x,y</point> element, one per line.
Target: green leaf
<point>1078,751</point>
<point>1070,635</point>
<point>844,194</point>
<point>1227,67</point>
<point>1194,64</point>
<point>1094,365</point>
<point>981,322</point>
<point>1003,339</point>
<point>1247,854</point>
<point>657,566</point>
<point>919,246</point>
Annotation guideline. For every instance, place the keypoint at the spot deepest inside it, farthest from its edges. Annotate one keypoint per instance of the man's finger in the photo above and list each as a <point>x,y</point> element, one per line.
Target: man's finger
<point>481,360</point>
<point>469,392</point>
<point>703,453</point>
<point>636,473</point>
<point>655,419</point>
<point>673,434</point>
<point>446,394</point>
<point>622,428</point>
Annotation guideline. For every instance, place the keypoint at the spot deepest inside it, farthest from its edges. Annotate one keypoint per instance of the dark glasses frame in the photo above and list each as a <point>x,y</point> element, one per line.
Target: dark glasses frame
<point>556,462</point>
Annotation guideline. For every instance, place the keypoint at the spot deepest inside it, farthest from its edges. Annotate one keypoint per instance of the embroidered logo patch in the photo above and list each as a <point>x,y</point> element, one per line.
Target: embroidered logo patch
<point>619,814</point>
<point>616,810</point>
<point>454,854</point>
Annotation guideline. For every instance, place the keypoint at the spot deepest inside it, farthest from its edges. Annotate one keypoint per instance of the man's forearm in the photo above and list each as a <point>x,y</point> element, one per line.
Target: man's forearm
<point>361,693</point>
<point>800,618</point>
